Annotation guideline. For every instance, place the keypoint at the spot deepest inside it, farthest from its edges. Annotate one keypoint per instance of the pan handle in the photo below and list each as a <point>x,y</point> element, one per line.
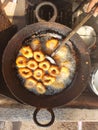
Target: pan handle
<point>44,125</point>
<point>44,4</point>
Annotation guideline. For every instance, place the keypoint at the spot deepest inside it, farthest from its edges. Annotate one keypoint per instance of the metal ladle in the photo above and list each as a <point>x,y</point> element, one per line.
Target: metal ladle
<point>86,18</point>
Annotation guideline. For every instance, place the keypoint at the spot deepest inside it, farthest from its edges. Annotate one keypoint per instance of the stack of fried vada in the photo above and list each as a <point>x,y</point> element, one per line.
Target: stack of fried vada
<point>36,70</point>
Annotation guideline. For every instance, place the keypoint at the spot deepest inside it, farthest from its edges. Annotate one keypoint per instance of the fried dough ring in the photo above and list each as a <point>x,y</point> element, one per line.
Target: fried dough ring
<point>26,51</point>
<point>40,88</point>
<point>62,52</point>
<point>61,55</point>
<point>58,85</point>
<point>39,56</point>
<point>65,71</point>
<point>21,62</point>
<point>66,64</point>
<point>44,65</point>
<point>52,44</point>
<point>32,64</point>
<point>35,44</point>
<point>54,70</point>
<point>48,80</point>
<point>25,72</point>
<point>30,83</point>
<point>38,74</point>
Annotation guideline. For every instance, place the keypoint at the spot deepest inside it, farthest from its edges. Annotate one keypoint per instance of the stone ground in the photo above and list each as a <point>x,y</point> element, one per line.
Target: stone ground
<point>56,126</point>
<point>32,126</point>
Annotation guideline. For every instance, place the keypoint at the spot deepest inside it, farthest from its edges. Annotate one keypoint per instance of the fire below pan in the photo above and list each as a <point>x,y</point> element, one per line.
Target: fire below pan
<point>45,101</point>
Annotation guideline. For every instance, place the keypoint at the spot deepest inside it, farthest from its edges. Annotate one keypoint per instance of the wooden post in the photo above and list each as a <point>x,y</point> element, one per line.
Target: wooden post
<point>4,21</point>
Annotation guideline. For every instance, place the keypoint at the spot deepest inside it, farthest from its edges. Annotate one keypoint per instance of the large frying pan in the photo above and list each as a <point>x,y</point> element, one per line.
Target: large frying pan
<point>48,102</point>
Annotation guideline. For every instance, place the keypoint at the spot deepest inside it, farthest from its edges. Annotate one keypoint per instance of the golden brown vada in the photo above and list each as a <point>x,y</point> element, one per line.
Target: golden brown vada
<point>35,44</point>
<point>48,80</point>
<point>21,62</point>
<point>25,72</point>
<point>32,64</point>
<point>38,74</point>
<point>40,88</point>
<point>44,65</point>
<point>30,83</point>
<point>52,44</point>
<point>54,70</point>
<point>61,54</point>
<point>66,63</point>
<point>39,56</point>
<point>65,71</point>
<point>26,51</point>
<point>58,85</point>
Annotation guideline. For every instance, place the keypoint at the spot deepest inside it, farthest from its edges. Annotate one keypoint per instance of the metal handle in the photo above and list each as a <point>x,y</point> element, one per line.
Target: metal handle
<point>44,4</point>
<point>87,17</point>
<point>44,125</point>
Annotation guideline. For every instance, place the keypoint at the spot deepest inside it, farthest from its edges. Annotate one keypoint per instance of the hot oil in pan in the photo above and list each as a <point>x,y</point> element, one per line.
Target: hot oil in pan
<point>64,59</point>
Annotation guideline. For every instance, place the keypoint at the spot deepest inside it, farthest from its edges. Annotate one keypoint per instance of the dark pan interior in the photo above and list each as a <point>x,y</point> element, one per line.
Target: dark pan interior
<point>13,83</point>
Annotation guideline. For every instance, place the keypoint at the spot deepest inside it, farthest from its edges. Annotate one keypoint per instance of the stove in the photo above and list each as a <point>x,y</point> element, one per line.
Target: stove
<point>87,99</point>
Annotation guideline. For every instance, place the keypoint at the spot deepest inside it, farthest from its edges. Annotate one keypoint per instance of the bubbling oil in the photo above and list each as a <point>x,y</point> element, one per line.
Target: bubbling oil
<point>64,59</point>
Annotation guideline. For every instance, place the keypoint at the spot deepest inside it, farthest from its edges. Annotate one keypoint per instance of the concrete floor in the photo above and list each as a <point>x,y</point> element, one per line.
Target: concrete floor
<point>56,126</point>
<point>32,126</point>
